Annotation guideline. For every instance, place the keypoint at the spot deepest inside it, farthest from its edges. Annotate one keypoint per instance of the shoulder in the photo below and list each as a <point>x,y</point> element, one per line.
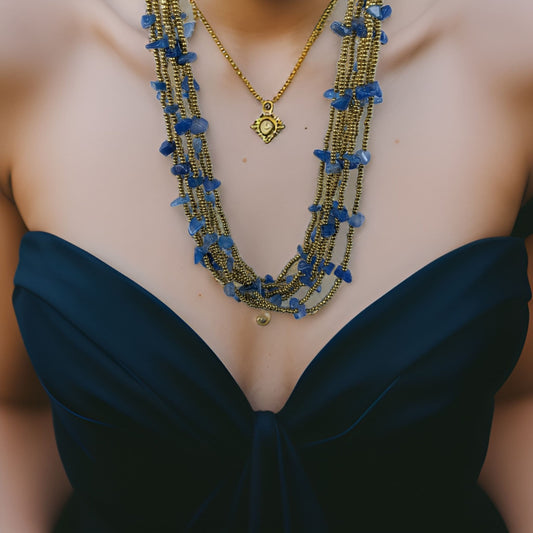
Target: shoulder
<point>35,35</point>
<point>31,32</point>
<point>497,44</point>
<point>498,35</point>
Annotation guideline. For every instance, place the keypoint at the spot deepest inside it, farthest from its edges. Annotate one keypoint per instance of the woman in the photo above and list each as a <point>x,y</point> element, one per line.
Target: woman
<point>164,429</point>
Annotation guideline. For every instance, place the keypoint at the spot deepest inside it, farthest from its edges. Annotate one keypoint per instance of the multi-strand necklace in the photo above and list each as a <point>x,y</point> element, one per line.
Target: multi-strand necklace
<point>313,275</point>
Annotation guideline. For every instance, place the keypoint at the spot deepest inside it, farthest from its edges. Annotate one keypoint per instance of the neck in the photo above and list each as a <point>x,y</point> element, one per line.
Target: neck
<point>263,18</point>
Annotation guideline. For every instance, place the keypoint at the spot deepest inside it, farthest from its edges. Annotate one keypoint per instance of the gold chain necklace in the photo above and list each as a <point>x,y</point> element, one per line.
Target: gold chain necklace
<point>268,125</point>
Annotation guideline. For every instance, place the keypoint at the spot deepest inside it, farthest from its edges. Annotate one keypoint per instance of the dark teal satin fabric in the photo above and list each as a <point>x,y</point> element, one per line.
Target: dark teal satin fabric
<point>385,432</point>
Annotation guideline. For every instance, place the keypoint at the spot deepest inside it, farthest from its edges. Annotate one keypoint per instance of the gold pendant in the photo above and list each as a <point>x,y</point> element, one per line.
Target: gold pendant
<point>263,319</point>
<point>268,126</point>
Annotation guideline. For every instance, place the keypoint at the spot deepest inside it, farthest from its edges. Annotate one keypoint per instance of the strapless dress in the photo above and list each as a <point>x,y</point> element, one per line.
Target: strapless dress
<point>386,431</point>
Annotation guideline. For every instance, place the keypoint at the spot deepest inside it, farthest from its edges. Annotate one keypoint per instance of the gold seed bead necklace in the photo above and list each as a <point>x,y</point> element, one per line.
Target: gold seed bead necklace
<point>306,283</point>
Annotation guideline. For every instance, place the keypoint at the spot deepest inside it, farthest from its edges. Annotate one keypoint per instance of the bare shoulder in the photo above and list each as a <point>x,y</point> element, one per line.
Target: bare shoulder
<point>34,36</point>
<point>500,36</point>
<point>31,32</point>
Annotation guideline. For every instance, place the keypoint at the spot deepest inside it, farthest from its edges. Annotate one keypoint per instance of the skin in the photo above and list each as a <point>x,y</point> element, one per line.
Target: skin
<point>452,154</point>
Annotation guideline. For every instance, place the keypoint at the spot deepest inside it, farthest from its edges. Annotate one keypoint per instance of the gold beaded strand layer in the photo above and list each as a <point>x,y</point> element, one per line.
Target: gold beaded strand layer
<point>310,279</point>
<point>268,125</point>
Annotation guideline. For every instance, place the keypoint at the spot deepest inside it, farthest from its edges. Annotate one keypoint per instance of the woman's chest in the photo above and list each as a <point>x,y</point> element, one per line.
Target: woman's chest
<point>444,172</point>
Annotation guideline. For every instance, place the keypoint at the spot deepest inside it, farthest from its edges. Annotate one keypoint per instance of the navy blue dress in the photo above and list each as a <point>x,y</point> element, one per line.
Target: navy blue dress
<point>385,432</point>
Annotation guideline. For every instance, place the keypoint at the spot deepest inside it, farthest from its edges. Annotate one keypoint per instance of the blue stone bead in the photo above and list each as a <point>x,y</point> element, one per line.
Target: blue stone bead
<point>196,225</point>
<point>230,263</point>
<point>276,300</point>
<point>304,267</point>
<point>148,20</point>
<point>229,289</point>
<point>323,155</point>
<point>328,269</point>
<point>253,287</point>
<point>318,289</point>
<point>188,29</point>
<point>355,67</point>
<point>160,43</point>
<point>345,275</point>
<point>180,169</point>
<point>195,182</point>
<point>199,125</point>
<point>340,29</point>
<point>333,168</point>
<point>368,91</point>
<point>173,52</point>
<point>359,26</point>
<point>307,280</point>
<point>180,201</point>
<point>211,185</point>
<point>313,235</point>
<point>327,230</point>
<point>210,197</point>
<point>189,57</point>
<point>342,103</point>
<point>379,13</point>
<point>364,156</point>
<point>210,239</point>
<point>167,147</point>
<point>225,242</point>
<point>375,11</point>
<point>353,160</point>
<point>294,303</point>
<point>315,208</point>
<point>301,252</point>
<point>158,85</point>
<point>356,220</point>
<point>183,126</point>
<point>197,144</point>
<point>342,214</point>
<point>289,278</point>
<point>386,11</point>
<point>215,265</point>
<point>269,279</point>
<point>331,93</point>
<point>383,38</point>
<point>172,109</point>
<point>199,253</point>
<point>302,311</point>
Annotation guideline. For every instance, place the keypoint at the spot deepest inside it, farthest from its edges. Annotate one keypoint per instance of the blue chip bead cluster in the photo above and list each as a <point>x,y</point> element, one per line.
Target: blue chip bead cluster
<point>362,94</point>
<point>358,26</point>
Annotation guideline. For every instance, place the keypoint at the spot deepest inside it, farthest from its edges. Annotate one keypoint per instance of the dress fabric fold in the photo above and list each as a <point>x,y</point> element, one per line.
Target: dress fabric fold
<point>385,432</point>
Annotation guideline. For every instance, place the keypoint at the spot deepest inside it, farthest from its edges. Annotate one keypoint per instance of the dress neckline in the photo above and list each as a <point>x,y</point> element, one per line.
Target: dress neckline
<point>337,338</point>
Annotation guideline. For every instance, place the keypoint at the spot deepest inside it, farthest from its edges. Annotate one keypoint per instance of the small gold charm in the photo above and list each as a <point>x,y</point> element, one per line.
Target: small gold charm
<point>263,319</point>
<point>267,126</point>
